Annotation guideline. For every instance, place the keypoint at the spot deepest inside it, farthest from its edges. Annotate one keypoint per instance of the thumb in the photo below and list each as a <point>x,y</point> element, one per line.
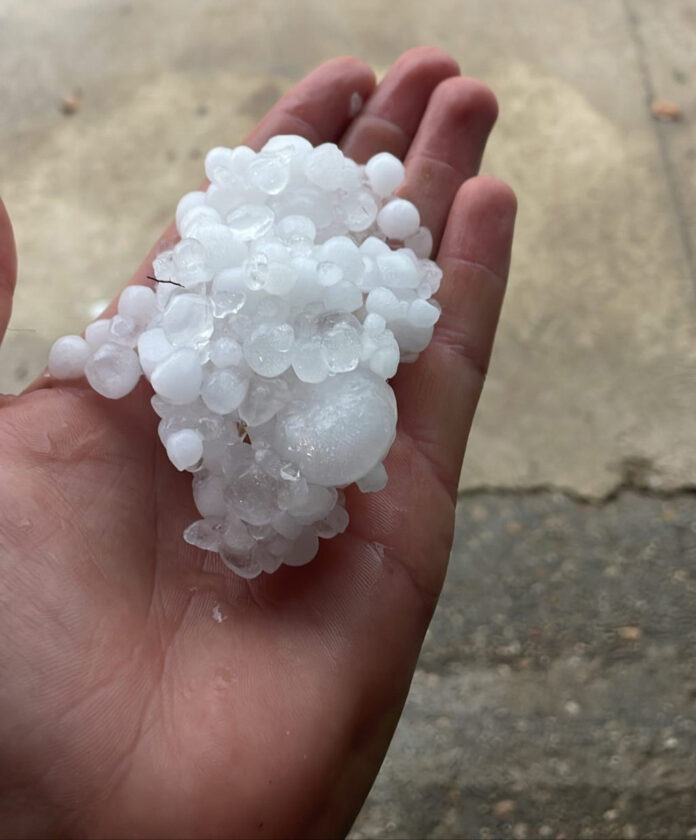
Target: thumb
<point>8,269</point>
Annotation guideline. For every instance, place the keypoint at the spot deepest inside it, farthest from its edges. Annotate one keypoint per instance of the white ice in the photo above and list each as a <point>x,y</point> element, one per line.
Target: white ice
<point>299,283</point>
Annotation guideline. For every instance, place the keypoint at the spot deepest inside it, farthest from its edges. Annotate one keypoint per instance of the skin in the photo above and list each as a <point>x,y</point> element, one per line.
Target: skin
<point>125,709</point>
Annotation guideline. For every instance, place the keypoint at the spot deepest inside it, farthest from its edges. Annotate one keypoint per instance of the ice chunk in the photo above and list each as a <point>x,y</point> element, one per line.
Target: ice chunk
<point>323,166</point>
<point>359,211</point>
<point>335,522</point>
<point>185,448</point>
<point>188,320</point>
<point>269,340</point>
<point>113,371</point>
<point>189,263</point>
<point>225,352</point>
<point>340,342</point>
<point>422,313</point>
<point>267,350</point>
<point>303,549</point>
<point>338,430</point>
<point>138,303</point>
<point>420,242</point>
<point>98,333</point>
<point>252,493</point>
<point>178,377</point>
<point>250,221</point>
<point>343,297</point>
<point>385,173</point>
<point>188,202</point>
<point>374,481</point>
<point>205,534</point>
<point>224,390</point>
<point>270,171</point>
<point>308,360</point>
<point>264,398</point>
<point>398,219</point>
<point>68,357</point>
<point>208,495</point>
<point>153,347</point>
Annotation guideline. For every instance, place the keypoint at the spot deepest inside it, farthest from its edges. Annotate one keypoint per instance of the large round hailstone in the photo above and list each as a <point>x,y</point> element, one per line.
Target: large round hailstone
<point>339,430</point>
<point>300,282</point>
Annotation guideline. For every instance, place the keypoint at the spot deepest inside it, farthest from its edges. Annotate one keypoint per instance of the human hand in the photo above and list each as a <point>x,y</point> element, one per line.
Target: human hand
<point>144,689</point>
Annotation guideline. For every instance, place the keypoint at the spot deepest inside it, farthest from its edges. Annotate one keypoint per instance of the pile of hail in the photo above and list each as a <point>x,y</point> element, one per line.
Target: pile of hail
<point>298,285</point>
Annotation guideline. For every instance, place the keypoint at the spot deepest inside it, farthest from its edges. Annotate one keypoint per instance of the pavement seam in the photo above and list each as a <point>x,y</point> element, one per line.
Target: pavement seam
<point>612,495</point>
<point>659,131</point>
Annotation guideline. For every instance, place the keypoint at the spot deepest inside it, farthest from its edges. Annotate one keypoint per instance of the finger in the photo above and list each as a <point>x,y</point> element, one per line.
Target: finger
<point>437,396</point>
<point>8,269</point>
<point>390,118</point>
<point>318,107</point>
<point>448,148</point>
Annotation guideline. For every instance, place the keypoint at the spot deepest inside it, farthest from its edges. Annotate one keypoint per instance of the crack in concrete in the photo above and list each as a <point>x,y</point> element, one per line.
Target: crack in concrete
<point>612,495</point>
<point>660,135</point>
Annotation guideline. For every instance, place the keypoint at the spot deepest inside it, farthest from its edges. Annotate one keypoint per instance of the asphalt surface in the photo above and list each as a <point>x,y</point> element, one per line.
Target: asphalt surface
<point>556,691</point>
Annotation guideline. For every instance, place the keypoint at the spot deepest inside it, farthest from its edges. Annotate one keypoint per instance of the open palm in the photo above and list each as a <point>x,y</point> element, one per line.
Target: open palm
<point>144,689</point>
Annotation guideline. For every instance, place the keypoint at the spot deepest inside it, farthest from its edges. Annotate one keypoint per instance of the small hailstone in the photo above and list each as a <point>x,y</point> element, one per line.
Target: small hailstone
<point>250,221</point>
<point>340,343</point>
<point>113,371</point>
<point>374,324</point>
<point>204,534</point>
<point>188,320</point>
<point>188,202</point>
<point>178,377</point>
<point>225,352</point>
<point>224,390</point>
<point>423,314</point>
<point>138,303</point>
<point>196,219</point>
<point>324,165</point>
<point>184,448</point>
<point>398,219</point>
<point>188,263</point>
<point>374,481</point>
<point>398,271</point>
<point>208,494</point>
<point>68,357</point>
<point>420,242</point>
<point>267,350</point>
<point>385,173</point>
<point>284,312</point>
<point>359,211</point>
<point>383,302</point>
<point>123,330</point>
<point>264,399</point>
<point>343,297</point>
<point>308,361</point>
<point>223,247</point>
<point>97,333</point>
<point>153,347</point>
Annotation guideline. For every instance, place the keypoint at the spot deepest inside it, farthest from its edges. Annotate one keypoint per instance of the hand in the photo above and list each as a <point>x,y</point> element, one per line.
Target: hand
<point>144,689</point>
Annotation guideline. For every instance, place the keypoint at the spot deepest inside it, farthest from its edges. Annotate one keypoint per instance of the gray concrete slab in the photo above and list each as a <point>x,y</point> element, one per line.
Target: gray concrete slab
<point>595,362</point>
<point>664,33</point>
<point>555,691</point>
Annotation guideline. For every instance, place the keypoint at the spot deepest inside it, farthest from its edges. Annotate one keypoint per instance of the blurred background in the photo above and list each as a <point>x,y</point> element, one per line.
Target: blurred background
<point>556,693</point>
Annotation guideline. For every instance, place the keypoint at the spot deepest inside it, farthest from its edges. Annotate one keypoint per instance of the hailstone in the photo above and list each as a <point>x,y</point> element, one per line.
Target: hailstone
<point>299,283</point>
